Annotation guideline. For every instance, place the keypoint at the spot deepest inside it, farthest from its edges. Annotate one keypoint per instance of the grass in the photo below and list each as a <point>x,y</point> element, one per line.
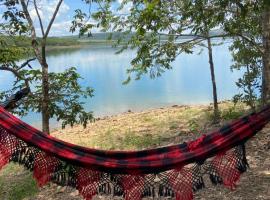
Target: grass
<point>16,183</point>
<point>147,129</point>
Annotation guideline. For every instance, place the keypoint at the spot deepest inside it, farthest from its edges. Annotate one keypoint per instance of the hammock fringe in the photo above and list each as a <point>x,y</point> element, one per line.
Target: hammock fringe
<point>181,183</point>
<point>176,171</point>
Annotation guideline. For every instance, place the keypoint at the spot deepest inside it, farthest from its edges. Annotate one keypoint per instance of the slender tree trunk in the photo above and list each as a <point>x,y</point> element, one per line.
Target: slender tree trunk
<point>266,55</point>
<point>212,70</point>
<point>41,56</point>
<point>45,91</point>
<point>250,93</point>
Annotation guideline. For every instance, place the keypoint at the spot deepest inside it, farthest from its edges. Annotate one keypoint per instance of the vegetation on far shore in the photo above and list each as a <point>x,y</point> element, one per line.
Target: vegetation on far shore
<point>61,41</point>
<point>73,41</point>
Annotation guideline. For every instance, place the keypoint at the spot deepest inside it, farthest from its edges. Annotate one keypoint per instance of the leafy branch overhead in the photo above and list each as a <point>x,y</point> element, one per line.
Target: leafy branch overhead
<point>161,30</point>
<point>54,95</point>
<point>66,96</point>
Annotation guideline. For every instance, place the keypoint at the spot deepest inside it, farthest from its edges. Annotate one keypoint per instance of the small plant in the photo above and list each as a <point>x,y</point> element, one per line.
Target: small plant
<point>193,126</point>
<point>247,59</point>
<point>231,113</point>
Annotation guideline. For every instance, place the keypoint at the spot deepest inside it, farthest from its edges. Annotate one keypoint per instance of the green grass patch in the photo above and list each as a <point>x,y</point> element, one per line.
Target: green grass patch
<point>111,140</point>
<point>193,126</point>
<point>232,113</point>
<point>16,183</point>
<point>133,141</point>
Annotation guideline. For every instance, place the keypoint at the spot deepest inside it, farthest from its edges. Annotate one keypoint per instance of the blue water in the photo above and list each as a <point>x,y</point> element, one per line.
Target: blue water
<point>189,81</point>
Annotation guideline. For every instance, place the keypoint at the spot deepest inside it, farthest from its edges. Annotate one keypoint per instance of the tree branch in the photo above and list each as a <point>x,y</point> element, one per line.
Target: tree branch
<point>53,18</point>
<point>39,18</point>
<point>26,63</point>
<point>33,31</point>
<point>16,74</point>
<point>194,42</point>
<point>197,36</point>
<point>252,42</point>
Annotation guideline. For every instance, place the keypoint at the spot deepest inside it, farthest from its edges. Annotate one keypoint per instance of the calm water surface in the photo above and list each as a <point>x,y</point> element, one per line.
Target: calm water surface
<point>189,81</point>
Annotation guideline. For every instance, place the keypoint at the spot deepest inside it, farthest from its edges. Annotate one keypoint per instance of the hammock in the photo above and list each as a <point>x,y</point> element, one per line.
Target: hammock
<point>173,171</point>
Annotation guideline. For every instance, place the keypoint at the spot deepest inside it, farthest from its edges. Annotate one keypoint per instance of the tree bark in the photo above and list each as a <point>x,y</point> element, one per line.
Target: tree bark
<point>266,55</point>
<point>45,90</point>
<point>250,93</point>
<point>212,70</point>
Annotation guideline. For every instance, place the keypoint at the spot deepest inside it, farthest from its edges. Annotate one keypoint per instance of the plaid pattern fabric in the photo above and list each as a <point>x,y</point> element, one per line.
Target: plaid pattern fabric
<point>174,171</point>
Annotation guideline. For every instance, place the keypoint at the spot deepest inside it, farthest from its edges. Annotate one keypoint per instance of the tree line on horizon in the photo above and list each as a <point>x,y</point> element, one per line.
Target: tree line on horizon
<point>154,29</point>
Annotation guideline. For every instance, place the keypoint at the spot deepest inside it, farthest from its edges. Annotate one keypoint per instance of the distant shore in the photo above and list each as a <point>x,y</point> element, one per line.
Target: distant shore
<point>94,43</point>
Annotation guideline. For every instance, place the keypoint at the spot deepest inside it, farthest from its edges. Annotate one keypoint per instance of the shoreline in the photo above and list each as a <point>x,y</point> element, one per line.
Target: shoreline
<point>144,110</point>
<point>148,128</point>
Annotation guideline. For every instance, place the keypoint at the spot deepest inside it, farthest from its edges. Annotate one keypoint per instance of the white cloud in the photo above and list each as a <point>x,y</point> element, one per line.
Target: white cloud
<point>46,9</point>
<point>61,28</point>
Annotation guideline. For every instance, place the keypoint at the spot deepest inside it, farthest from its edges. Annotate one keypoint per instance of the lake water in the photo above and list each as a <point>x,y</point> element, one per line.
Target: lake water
<point>189,81</point>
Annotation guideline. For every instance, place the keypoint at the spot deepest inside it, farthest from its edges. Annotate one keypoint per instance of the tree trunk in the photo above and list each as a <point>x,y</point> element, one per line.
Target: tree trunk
<point>45,91</point>
<point>250,93</point>
<point>266,55</point>
<point>212,70</point>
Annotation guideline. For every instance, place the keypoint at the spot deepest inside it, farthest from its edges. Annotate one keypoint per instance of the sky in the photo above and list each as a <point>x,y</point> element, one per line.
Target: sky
<point>63,20</point>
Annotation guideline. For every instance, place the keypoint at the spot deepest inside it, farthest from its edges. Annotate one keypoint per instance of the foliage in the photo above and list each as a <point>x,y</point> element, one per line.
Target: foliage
<point>246,49</point>
<point>62,41</point>
<point>25,41</point>
<point>66,96</point>
<point>10,51</point>
<point>247,57</point>
<point>14,18</point>
<point>193,126</point>
<point>211,116</point>
<point>232,113</point>
<point>10,54</point>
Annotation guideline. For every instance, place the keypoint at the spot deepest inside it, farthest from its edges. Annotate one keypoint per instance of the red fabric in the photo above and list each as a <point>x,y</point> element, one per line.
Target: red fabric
<point>140,162</point>
<point>7,145</point>
<point>44,167</point>
<point>88,182</point>
<point>4,156</point>
<point>133,187</point>
<point>181,181</point>
<point>226,167</point>
<point>194,144</point>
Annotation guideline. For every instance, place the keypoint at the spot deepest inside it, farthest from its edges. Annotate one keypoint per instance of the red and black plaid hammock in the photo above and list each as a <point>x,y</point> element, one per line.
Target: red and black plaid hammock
<point>173,171</point>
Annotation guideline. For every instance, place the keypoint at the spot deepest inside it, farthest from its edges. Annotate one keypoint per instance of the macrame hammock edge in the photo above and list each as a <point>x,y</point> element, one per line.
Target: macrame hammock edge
<point>173,171</point>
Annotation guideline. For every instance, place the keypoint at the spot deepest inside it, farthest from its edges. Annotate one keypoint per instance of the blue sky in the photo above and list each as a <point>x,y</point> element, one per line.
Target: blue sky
<point>64,17</point>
